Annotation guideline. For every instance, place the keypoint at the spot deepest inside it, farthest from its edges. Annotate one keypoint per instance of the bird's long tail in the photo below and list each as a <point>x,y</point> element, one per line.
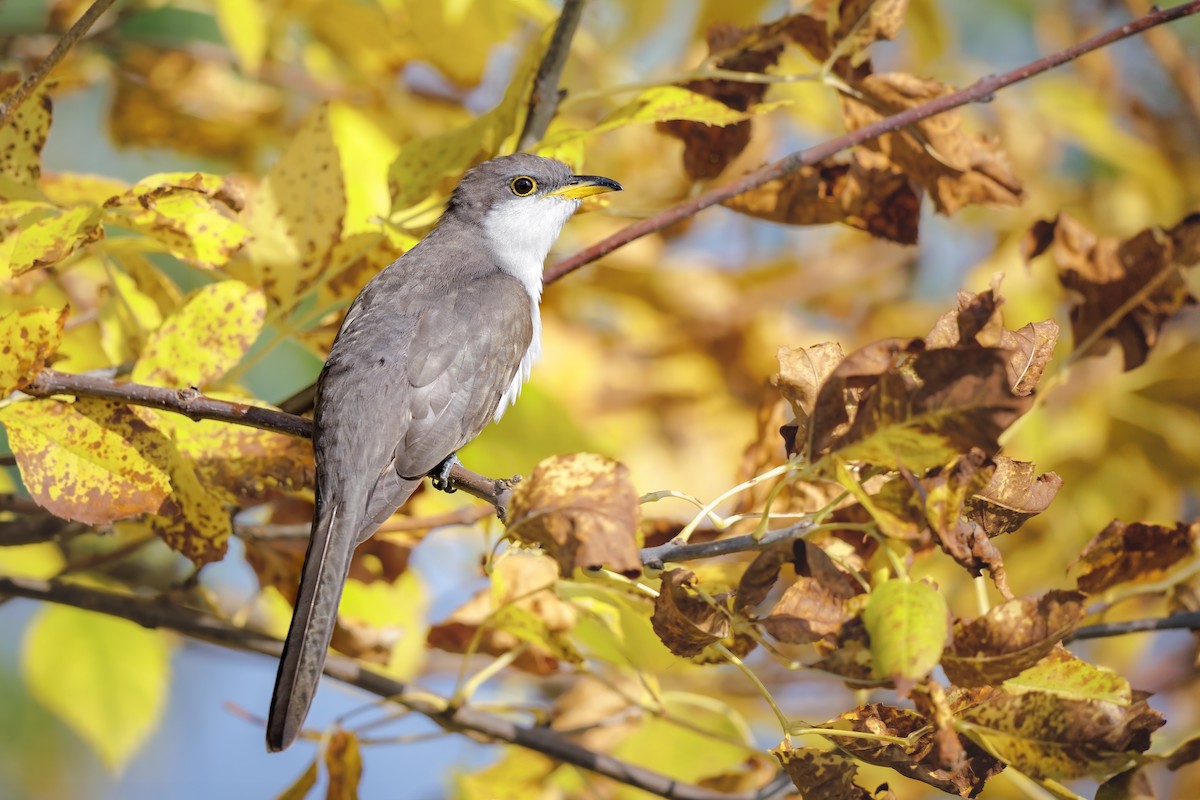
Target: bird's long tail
<point>326,565</point>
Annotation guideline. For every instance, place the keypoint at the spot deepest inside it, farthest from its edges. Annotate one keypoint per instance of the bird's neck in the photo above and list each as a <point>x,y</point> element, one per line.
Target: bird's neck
<point>521,241</point>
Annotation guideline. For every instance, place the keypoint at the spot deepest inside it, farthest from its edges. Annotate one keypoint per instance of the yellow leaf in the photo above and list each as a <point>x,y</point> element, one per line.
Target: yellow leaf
<point>399,606</point>
<point>198,525</point>
<point>427,168</point>
<point>457,37</point>
<point>662,104</point>
<point>77,189</point>
<point>190,215</point>
<point>27,339</point>
<point>343,760</point>
<point>21,141</point>
<point>365,151</point>
<point>92,460</point>
<point>203,339</point>
<point>243,23</point>
<point>126,317</point>
<point>302,785</point>
<point>49,235</point>
<point>295,216</point>
<point>41,561</point>
<point>106,678</point>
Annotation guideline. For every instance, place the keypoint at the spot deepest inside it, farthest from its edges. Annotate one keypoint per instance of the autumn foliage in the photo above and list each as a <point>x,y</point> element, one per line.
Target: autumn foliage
<point>849,512</point>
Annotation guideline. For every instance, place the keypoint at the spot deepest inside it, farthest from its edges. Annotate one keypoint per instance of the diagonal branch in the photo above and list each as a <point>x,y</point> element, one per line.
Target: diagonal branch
<point>201,625</point>
<point>544,102</point>
<point>982,91</point>
<point>76,32</point>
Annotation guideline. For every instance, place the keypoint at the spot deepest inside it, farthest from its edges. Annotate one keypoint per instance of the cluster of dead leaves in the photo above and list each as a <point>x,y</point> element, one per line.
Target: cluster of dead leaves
<point>877,188</point>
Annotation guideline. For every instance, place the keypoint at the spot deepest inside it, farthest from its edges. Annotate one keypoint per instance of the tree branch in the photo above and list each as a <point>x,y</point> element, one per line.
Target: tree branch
<point>1189,620</point>
<point>982,91</point>
<point>544,101</point>
<point>194,405</point>
<point>8,109</point>
<point>655,557</point>
<point>155,613</point>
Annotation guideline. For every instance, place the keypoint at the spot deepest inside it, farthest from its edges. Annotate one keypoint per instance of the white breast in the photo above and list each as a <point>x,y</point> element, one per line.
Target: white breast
<point>521,233</point>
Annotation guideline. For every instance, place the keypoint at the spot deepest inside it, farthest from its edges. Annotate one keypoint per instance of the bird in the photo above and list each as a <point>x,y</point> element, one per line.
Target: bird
<point>434,347</point>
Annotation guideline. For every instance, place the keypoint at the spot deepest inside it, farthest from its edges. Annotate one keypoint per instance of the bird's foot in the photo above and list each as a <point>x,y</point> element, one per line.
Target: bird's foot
<point>441,474</point>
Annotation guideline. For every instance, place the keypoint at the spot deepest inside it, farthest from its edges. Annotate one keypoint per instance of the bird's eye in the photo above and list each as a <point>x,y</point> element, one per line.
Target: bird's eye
<point>523,186</point>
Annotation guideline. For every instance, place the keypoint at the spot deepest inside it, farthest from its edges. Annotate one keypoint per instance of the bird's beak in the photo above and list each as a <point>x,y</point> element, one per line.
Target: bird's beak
<point>581,186</point>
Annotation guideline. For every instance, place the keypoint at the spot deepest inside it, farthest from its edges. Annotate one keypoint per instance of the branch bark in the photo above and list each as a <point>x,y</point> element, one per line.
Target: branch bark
<point>982,91</point>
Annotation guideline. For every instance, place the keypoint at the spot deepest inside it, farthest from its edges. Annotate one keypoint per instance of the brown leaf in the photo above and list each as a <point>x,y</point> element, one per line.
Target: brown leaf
<point>1010,637</point>
<point>519,608</point>
<point>1015,493</point>
<point>954,167</point>
<point>1048,735</point>
<point>974,769</point>
<point>1125,290</point>
<point>343,761</point>
<point>978,320</point>
<point>1135,552</point>
<point>814,605</point>
<point>924,409</point>
<point>849,657</point>
<point>839,395</point>
<point>821,774</point>
<point>708,149</point>
<point>869,193</point>
<point>685,622</point>
<point>582,510</point>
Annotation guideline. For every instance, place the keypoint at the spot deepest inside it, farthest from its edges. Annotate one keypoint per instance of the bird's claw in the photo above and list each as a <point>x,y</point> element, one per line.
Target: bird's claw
<point>441,474</point>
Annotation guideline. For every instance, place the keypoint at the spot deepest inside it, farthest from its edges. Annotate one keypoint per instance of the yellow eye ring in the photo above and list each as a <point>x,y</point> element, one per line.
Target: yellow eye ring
<point>523,186</point>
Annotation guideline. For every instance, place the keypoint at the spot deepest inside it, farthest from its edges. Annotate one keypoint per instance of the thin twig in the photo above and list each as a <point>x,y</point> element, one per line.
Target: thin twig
<point>1188,620</point>
<point>543,104</point>
<point>76,32</point>
<point>157,613</point>
<point>655,557</point>
<point>981,91</point>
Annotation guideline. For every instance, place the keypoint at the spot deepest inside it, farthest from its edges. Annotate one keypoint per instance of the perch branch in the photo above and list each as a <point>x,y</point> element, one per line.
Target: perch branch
<point>981,91</point>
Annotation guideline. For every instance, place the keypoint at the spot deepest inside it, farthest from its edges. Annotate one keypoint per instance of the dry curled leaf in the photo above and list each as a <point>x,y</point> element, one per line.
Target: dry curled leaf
<point>1125,290</point>
<point>821,774</point>
<point>868,193</point>
<point>685,622</point>
<point>1014,493</point>
<point>582,509</point>
<point>916,762</point>
<point>1136,552</point>
<point>1010,637</point>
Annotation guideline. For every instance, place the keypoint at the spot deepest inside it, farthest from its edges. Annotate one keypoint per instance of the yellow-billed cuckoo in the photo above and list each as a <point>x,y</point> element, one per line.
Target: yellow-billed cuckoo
<point>435,346</point>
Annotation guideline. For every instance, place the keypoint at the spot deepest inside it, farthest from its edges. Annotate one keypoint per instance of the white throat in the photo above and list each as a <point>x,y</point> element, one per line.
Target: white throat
<point>520,235</point>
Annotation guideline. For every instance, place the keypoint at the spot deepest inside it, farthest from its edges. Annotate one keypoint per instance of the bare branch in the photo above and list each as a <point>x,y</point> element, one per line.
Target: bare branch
<point>1189,620</point>
<point>77,31</point>
<point>544,102</point>
<point>158,613</point>
<point>655,557</point>
<point>982,91</point>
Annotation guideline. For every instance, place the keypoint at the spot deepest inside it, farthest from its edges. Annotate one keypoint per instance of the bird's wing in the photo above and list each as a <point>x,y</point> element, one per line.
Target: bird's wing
<point>465,353</point>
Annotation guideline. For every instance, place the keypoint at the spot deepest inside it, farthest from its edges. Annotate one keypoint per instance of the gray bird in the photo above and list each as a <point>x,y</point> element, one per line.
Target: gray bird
<point>435,346</point>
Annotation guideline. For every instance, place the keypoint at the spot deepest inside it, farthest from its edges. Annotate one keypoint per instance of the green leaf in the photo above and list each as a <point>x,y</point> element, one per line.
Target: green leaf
<point>1060,673</point>
<point>907,624</point>
<point>105,678</point>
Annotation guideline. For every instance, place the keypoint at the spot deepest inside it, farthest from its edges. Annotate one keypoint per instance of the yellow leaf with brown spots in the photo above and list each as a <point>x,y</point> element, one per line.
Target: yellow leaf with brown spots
<point>243,465</point>
<point>197,525</point>
<point>46,239</point>
<point>94,461</point>
<point>27,339</point>
<point>207,336</point>
<point>21,141</point>
<point>295,216</point>
<point>582,510</point>
<point>192,216</point>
